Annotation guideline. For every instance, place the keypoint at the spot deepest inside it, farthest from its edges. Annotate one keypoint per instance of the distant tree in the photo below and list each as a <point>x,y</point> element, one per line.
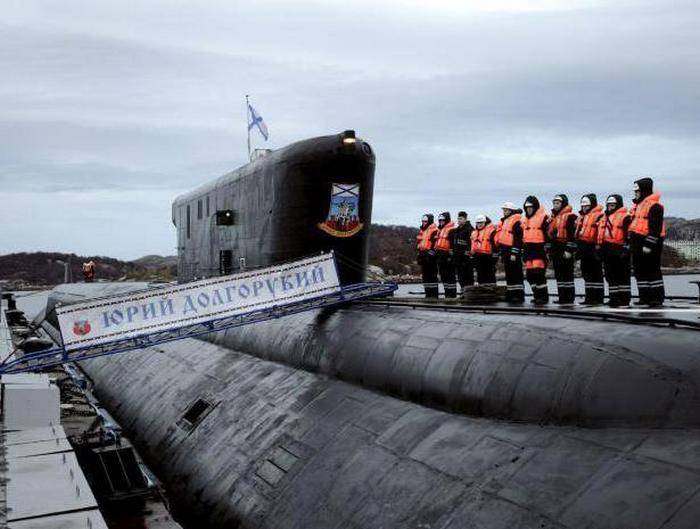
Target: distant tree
<point>393,249</point>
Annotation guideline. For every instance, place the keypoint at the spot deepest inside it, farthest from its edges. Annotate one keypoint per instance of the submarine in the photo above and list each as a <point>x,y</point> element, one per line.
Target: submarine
<point>383,414</point>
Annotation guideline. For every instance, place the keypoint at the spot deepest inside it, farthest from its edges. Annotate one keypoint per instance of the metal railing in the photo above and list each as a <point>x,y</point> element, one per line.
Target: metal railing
<point>55,356</point>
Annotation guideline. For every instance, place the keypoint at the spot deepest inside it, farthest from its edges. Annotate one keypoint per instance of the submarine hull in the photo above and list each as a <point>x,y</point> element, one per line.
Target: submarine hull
<point>389,417</point>
<point>284,447</point>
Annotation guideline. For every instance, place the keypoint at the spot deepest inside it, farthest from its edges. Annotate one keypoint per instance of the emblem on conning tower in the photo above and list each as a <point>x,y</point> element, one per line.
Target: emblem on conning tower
<point>343,213</point>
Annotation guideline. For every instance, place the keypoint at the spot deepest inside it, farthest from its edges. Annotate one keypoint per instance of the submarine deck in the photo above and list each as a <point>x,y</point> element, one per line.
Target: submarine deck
<point>682,312</point>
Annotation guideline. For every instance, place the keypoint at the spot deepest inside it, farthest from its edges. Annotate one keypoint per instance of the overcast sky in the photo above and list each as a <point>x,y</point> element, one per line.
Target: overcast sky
<point>108,110</point>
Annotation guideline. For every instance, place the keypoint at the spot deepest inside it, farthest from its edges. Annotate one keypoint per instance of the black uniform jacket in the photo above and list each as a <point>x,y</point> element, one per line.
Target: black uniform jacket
<point>461,241</point>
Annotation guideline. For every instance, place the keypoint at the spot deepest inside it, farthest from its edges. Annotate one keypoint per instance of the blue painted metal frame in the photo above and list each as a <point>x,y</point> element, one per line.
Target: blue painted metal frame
<point>51,357</point>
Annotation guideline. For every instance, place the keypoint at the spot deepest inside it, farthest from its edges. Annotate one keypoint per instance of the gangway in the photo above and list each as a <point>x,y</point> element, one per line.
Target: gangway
<point>35,361</point>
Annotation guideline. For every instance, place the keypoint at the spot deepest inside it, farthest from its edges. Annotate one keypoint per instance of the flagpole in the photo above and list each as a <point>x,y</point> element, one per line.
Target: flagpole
<point>247,122</point>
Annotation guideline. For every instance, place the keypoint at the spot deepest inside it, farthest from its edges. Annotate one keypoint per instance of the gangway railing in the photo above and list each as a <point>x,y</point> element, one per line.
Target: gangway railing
<point>51,357</point>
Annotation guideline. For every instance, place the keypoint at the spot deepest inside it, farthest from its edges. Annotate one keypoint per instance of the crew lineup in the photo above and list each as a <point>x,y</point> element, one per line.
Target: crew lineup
<point>610,242</point>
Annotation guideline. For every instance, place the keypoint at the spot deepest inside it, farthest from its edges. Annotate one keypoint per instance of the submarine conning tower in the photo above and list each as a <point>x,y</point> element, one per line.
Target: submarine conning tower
<point>312,196</point>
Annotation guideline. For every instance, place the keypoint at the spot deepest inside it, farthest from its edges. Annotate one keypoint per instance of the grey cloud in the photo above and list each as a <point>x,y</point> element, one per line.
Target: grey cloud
<point>464,110</point>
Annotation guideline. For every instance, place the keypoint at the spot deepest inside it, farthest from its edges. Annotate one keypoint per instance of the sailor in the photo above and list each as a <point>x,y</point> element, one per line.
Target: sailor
<point>612,239</point>
<point>89,271</point>
<point>443,250</point>
<point>484,251</point>
<point>646,235</point>
<point>427,234</point>
<point>562,247</point>
<point>587,241</point>
<point>461,246</point>
<point>535,226</point>
<point>509,242</point>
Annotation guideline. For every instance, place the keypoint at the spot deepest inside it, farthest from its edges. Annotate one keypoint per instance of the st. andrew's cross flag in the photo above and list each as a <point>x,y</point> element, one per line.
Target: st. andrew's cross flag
<point>256,120</point>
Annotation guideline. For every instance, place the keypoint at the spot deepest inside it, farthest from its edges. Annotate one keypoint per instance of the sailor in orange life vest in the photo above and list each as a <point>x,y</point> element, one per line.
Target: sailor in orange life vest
<point>535,225</point>
<point>89,271</point>
<point>562,247</point>
<point>646,236</point>
<point>461,246</point>
<point>612,241</point>
<point>427,234</point>
<point>509,241</point>
<point>443,251</point>
<point>587,240</point>
<point>484,251</point>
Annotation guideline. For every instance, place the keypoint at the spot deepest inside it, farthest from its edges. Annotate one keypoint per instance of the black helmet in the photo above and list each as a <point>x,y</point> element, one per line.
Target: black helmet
<point>614,199</point>
<point>645,186</point>
<point>592,199</point>
<point>531,201</point>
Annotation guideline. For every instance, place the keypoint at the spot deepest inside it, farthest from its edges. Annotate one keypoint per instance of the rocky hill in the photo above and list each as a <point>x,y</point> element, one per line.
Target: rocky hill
<point>48,268</point>
<point>156,262</point>
<point>393,249</point>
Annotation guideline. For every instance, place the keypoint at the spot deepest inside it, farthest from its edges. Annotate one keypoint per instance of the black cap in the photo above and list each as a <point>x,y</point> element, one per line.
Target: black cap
<point>617,199</point>
<point>531,200</point>
<point>593,198</point>
<point>462,214</point>
<point>646,185</point>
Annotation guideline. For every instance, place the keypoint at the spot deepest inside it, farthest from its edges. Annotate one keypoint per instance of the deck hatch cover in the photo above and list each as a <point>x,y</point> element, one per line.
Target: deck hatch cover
<point>195,414</point>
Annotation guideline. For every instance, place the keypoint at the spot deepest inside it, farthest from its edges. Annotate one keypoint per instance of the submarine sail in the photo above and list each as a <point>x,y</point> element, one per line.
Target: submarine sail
<point>312,196</point>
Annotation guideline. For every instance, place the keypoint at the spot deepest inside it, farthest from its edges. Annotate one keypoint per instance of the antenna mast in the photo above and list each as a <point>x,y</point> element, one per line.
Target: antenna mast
<point>247,122</point>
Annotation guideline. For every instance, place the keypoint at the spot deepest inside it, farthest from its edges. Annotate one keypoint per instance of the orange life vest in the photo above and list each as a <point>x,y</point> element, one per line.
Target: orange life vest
<point>557,227</point>
<point>587,225</point>
<point>611,229</point>
<point>640,216</point>
<point>481,239</point>
<point>89,270</point>
<point>425,238</point>
<point>533,232</point>
<point>443,240</point>
<point>504,232</point>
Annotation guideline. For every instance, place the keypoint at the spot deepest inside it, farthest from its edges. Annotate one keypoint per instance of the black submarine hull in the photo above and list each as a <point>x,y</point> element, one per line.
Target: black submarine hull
<point>377,417</point>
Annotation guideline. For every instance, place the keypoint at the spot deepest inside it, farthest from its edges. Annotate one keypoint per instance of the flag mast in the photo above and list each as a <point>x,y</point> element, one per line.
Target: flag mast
<point>247,122</point>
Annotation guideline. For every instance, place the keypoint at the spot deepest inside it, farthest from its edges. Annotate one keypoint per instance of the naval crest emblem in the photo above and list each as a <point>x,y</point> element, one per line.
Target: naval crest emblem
<point>343,212</point>
<point>81,327</point>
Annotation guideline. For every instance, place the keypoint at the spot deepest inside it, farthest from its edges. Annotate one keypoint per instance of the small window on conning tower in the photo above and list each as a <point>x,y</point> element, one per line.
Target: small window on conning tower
<point>199,209</point>
<point>208,211</point>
